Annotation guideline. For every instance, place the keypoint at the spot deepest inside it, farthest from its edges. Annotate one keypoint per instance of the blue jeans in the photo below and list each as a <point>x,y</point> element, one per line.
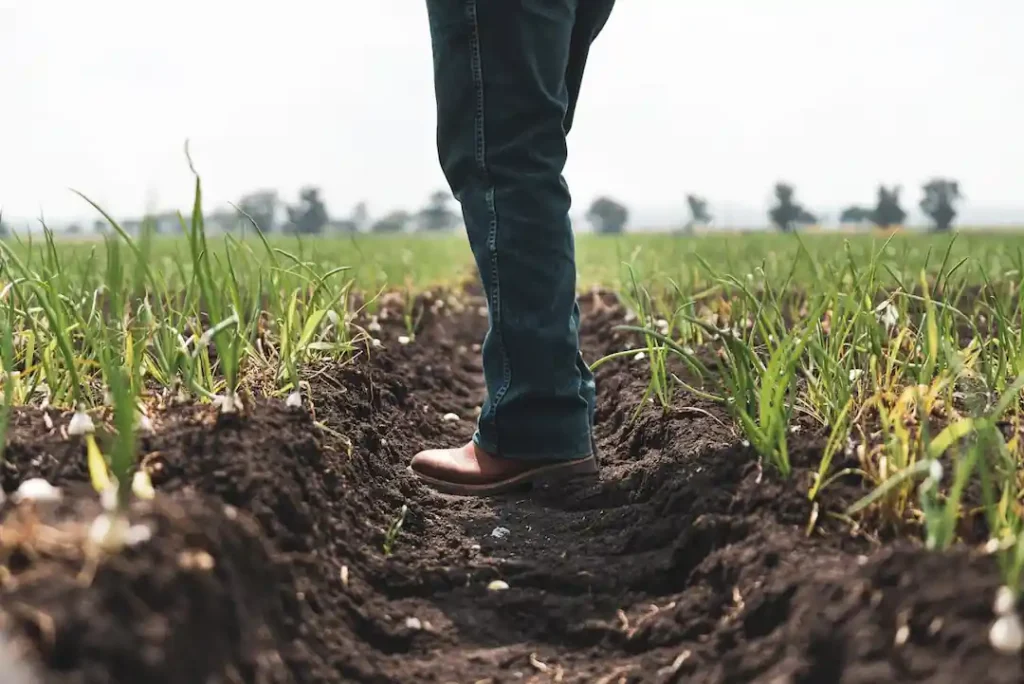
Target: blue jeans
<point>507,76</point>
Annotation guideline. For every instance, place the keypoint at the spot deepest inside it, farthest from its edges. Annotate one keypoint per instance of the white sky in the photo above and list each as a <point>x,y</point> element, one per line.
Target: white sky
<point>722,98</point>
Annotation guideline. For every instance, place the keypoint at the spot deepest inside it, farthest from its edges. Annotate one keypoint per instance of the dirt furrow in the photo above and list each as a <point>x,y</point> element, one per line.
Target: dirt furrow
<point>685,562</point>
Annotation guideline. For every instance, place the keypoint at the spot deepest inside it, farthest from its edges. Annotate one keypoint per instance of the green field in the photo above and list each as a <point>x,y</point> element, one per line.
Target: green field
<point>879,378</point>
<point>429,261</point>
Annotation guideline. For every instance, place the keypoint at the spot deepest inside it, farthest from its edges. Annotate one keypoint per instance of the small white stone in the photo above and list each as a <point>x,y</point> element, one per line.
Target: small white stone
<point>142,486</point>
<point>294,400</point>
<point>138,534</point>
<point>404,340</point>
<point>376,343</point>
<point>991,546</point>
<point>107,530</point>
<point>47,421</point>
<point>108,497</point>
<point>144,424</point>
<point>111,531</point>
<point>500,532</point>
<point>887,314</point>
<point>374,326</point>
<point>1004,602</point>
<point>37,489</point>
<point>81,424</point>
<point>902,634</point>
<point>640,356</point>
<point>413,623</point>
<point>15,661</point>
<point>497,585</point>
<point>227,403</point>
<point>1007,635</point>
<point>451,418</point>
<point>482,311</point>
<point>855,374</point>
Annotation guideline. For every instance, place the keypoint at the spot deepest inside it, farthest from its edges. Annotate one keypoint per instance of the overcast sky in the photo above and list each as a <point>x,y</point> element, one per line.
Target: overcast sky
<point>721,98</point>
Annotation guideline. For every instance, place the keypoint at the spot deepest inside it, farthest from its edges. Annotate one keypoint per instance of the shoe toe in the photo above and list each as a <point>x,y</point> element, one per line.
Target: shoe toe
<point>425,462</point>
<point>449,465</point>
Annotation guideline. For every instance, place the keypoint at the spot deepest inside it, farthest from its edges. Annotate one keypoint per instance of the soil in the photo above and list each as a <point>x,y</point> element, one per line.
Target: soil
<point>686,562</point>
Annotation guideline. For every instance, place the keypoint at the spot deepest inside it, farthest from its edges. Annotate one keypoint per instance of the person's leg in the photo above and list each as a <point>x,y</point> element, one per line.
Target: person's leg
<point>501,79</point>
<point>591,17</point>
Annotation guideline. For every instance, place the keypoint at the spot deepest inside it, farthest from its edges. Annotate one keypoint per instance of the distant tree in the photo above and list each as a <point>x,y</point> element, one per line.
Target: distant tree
<point>224,220</point>
<point>356,221</point>
<point>360,216</point>
<point>607,216</point>
<point>100,227</point>
<point>341,226</point>
<point>788,214</point>
<point>395,222</point>
<point>262,206</point>
<point>699,215</point>
<point>437,216</point>
<point>888,212</point>
<point>310,216</point>
<point>4,230</point>
<point>165,222</point>
<point>855,214</point>
<point>937,203</point>
<point>74,229</point>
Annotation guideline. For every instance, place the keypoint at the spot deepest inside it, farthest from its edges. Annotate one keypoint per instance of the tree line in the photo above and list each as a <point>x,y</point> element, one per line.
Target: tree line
<point>309,216</point>
<point>939,197</point>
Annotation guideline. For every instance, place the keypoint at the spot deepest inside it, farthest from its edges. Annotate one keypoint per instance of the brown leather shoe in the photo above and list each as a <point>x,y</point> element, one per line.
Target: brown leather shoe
<point>470,471</point>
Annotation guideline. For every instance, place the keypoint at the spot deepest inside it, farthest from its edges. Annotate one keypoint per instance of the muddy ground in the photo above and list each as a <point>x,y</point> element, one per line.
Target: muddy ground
<point>686,562</point>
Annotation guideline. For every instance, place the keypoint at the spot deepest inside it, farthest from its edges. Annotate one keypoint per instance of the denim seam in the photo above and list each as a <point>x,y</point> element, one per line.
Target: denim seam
<point>492,232</point>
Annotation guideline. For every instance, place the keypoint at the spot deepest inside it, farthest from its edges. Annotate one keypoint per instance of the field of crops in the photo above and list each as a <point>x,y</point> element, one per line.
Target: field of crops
<point>811,465</point>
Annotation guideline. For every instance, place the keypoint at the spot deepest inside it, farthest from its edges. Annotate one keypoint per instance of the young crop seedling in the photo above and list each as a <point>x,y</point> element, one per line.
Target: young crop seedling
<point>8,370</point>
<point>660,380</point>
<point>391,536</point>
<point>222,304</point>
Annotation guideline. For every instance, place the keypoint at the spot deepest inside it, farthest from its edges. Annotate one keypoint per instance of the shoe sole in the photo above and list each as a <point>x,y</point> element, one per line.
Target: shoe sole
<point>551,472</point>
